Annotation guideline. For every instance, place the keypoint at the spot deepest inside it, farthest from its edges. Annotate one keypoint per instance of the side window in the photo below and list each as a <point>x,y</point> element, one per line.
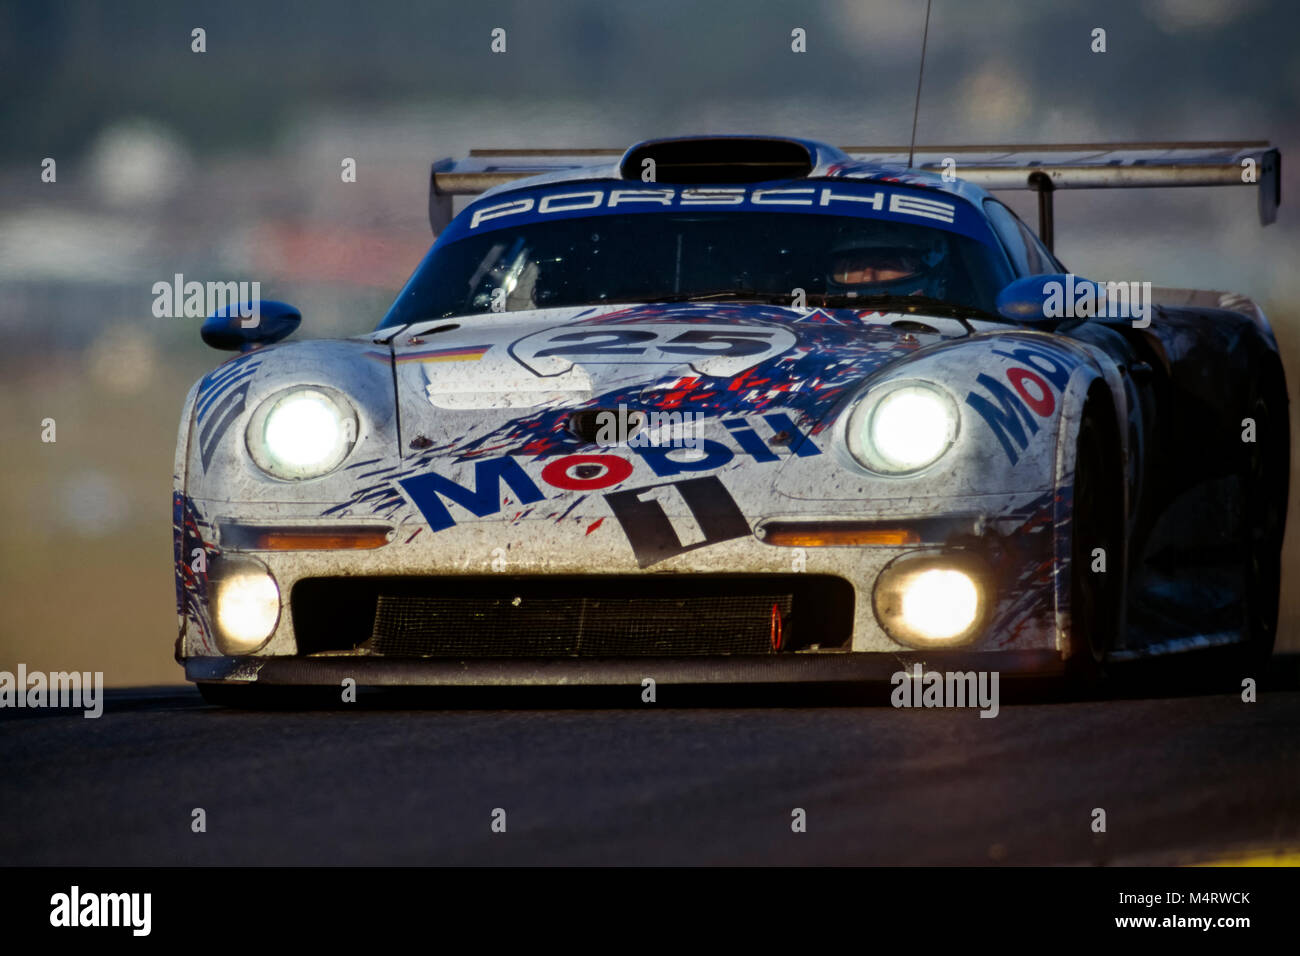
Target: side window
<point>1040,260</point>
<point>1027,253</point>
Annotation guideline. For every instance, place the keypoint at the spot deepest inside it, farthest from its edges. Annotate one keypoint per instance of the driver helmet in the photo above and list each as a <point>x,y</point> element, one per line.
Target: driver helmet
<point>889,260</point>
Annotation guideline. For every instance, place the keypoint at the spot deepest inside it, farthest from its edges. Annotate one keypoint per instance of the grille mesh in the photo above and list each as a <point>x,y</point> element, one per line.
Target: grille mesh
<point>566,616</point>
<point>539,626</point>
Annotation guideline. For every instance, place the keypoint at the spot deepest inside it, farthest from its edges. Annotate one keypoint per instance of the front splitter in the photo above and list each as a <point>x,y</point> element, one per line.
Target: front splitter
<point>608,672</point>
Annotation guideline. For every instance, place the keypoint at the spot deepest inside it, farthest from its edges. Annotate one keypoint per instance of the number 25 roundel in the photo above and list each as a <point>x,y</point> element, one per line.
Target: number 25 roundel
<point>717,349</point>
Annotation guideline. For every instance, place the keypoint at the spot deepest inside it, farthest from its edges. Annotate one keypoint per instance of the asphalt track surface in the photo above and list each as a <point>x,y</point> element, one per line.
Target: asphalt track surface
<point>1190,775</point>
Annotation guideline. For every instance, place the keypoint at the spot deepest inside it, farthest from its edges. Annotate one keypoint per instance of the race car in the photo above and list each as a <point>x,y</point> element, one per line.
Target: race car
<point>740,409</point>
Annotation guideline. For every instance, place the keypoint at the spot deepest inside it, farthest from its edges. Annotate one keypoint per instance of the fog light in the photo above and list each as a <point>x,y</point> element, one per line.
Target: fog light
<point>247,609</point>
<point>940,604</point>
<point>934,599</point>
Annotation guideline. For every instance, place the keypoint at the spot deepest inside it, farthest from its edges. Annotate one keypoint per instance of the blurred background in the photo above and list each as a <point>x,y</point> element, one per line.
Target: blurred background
<point>225,165</point>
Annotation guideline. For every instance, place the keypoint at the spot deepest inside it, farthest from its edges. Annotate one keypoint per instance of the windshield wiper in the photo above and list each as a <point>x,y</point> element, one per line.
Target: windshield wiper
<point>910,304</point>
<point>897,303</point>
<point>903,303</point>
<point>748,295</point>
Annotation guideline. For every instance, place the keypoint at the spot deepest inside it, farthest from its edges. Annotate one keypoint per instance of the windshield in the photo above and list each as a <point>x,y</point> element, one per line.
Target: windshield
<point>687,254</point>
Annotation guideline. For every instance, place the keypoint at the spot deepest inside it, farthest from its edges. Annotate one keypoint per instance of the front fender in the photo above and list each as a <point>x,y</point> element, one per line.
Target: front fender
<point>214,475</point>
<point>1019,394</point>
<point>218,464</point>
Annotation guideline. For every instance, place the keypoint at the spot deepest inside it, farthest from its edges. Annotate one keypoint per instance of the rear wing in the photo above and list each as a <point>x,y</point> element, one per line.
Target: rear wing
<point>486,169</point>
<point>1043,169</point>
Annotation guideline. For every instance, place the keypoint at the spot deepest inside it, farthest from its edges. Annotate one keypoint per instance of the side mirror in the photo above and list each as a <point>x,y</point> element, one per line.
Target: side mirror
<point>243,327</point>
<point>1051,298</point>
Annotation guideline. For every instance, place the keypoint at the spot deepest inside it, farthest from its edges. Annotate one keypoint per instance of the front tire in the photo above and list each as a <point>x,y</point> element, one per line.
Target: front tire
<point>1097,521</point>
<point>1264,479</point>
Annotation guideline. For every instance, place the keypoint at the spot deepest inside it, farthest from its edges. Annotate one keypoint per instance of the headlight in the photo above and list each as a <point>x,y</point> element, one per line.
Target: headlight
<point>302,432</point>
<point>903,427</point>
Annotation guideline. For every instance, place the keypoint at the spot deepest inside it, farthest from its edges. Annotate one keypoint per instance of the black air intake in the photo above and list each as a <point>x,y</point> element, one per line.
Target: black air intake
<point>649,615</point>
<point>721,160</point>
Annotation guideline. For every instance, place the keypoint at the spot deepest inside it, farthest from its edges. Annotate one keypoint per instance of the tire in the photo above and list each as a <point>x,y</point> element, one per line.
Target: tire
<point>1097,521</point>
<point>1264,483</point>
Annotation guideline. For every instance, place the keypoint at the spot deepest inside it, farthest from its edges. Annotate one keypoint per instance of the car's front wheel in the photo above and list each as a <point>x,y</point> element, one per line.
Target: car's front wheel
<point>1264,475</point>
<point>1097,544</point>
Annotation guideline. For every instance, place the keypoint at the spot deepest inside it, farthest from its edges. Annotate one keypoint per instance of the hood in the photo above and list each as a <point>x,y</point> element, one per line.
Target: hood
<point>509,384</point>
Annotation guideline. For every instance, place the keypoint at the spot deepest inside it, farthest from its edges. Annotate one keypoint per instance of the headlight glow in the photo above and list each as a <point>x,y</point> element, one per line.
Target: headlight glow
<point>302,432</point>
<point>934,598</point>
<point>248,607</point>
<point>940,604</point>
<point>903,428</point>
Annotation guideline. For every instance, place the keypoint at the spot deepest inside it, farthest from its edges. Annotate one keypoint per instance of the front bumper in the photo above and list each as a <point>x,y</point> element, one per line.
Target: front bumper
<point>1018,535</point>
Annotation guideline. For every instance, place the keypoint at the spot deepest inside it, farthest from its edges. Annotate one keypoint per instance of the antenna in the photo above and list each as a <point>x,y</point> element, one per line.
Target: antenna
<point>911,147</point>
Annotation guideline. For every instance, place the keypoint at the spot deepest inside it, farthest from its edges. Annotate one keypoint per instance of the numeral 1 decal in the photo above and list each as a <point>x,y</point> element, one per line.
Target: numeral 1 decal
<point>650,530</point>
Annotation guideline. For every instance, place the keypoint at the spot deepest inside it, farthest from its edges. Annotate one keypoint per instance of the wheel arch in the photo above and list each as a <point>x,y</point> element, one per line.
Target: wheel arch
<point>1097,389</point>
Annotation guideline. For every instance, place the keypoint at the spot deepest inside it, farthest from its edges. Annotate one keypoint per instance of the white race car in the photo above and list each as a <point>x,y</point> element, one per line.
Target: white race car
<point>737,409</point>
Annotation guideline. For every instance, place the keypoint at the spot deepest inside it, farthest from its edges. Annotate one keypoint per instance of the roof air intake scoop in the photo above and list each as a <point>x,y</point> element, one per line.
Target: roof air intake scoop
<point>729,159</point>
